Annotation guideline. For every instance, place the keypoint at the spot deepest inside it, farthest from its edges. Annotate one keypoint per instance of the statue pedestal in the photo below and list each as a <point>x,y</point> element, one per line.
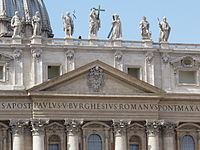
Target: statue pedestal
<point>36,40</point>
<point>117,43</point>
<point>17,40</point>
<point>148,43</point>
<point>94,37</point>
<point>93,42</point>
<point>164,45</point>
<point>69,41</point>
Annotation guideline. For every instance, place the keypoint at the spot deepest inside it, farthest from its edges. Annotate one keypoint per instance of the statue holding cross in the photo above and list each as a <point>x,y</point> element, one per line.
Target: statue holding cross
<point>94,22</point>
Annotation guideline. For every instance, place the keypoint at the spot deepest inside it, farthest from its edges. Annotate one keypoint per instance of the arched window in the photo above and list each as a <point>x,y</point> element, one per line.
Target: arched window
<point>134,143</point>
<point>54,142</point>
<point>94,142</point>
<point>187,143</point>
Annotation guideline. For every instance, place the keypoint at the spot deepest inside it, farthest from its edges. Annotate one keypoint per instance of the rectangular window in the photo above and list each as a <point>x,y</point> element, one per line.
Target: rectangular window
<point>53,147</point>
<point>135,72</point>
<point>134,147</point>
<point>53,71</point>
<point>1,72</point>
<point>187,77</point>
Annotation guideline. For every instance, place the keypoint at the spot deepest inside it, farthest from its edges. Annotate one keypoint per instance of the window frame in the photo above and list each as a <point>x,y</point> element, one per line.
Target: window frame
<point>54,143</point>
<point>188,84</point>
<point>46,69</point>
<point>3,73</point>
<point>135,143</point>
<point>135,66</point>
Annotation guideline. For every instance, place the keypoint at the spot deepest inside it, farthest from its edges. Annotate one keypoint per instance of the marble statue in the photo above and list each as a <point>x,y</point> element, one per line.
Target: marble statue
<point>164,30</point>
<point>68,25</point>
<point>144,26</point>
<point>16,24</point>
<point>94,24</point>
<point>36,23</point>
<point>116,31</point>
<point>27,16</point>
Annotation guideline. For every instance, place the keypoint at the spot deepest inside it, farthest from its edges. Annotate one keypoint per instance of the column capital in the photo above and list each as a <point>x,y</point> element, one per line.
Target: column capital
<point>169,127</point>
<point>153,127</point>
<point>18,126</point>
<point>73,125</point>
<point>17,54</point>
<point>36,53</point>
<point>119,126</point>
<point>38,126</point>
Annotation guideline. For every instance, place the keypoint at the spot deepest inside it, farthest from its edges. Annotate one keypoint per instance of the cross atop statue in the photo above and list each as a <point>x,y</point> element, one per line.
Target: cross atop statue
<point>99,10</point>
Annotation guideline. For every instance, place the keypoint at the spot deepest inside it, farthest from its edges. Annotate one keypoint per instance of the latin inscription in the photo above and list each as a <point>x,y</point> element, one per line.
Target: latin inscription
<point>9,106</point>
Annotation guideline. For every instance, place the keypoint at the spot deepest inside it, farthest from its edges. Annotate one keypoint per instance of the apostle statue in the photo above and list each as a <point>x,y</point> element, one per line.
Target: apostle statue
<point>116,31</point>
<point>144,26</point>
<point>36,23</point>
<point>16,24</point>
<point>94,24</point>
<point>164,30</point>
<point>68,25</point>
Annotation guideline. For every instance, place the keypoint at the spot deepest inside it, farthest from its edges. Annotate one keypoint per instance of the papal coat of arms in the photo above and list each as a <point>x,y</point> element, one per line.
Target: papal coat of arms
<point>95,79</point>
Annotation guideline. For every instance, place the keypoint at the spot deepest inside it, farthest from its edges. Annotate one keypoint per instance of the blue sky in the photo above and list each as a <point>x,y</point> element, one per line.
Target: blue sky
<point>183,17</point>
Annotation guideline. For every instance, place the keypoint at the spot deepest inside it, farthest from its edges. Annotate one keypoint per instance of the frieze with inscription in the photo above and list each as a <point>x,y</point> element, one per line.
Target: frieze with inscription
<point>9,106</point>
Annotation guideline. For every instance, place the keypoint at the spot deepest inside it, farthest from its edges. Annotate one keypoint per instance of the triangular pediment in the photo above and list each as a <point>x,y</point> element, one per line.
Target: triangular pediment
<point>96,78</point>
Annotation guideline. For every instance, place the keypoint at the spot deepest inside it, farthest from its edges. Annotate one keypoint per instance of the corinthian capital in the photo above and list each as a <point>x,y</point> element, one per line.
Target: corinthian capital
<point>17,54</point>
<point>73,126</point>
<point>153,127</point>
<point>18,126</point>
<point>119,126</point>
<point>169,127</point>
<point>38,126</point>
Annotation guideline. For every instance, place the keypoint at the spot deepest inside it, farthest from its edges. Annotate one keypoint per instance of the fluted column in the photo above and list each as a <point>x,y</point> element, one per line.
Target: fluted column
<point>18,133</point>
<point>153,128</point>
<point>73,129</point>
<point>120,134</point>
<point>169,135</point>
<point>38,133</point>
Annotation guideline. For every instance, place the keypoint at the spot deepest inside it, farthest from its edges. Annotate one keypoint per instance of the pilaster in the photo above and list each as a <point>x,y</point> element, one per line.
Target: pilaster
<point>18,68</point>
<point>37,66</point>
<point>149,68</point>
<point>70,64</point>
<point>118,60</point>
<point>169,135</point>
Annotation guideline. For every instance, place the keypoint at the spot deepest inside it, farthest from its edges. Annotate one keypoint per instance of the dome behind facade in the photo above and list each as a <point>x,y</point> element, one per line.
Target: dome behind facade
<point>26,9</point>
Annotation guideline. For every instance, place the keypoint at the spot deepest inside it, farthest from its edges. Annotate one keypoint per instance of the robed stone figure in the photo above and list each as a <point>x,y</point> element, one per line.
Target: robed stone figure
<point>116,31</point>
<point>94,24</point>
<point>144,26</point>
<point>164,30</point>
<point>16,24</point>
<point>36,23</point>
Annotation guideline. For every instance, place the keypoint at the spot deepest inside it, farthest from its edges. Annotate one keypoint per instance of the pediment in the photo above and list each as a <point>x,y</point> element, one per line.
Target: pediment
<point>96,78</point>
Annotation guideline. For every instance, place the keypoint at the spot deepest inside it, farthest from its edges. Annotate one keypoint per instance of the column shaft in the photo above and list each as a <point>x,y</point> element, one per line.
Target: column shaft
<point>72,142</point>
<point>18,142</point>
<point>38,142</point>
